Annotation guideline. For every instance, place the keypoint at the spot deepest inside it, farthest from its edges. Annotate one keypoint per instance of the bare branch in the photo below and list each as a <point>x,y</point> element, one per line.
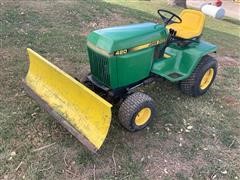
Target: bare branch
<point>43,147</point>
<point>114,162</point>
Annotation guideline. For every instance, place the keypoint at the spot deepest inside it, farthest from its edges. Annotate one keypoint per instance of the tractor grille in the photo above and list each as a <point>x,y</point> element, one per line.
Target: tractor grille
<point>99,66</point>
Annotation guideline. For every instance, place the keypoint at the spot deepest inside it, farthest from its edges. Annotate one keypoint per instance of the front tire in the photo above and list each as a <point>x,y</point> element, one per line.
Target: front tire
<point>136,111</point>
<point>202,77</point>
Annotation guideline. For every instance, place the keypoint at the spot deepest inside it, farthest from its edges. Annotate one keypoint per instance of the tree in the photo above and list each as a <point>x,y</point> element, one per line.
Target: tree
<point>181,3</point>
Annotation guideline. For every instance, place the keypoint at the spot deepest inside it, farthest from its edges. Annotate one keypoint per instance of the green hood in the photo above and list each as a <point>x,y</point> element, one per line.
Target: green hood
<point>124,37</point>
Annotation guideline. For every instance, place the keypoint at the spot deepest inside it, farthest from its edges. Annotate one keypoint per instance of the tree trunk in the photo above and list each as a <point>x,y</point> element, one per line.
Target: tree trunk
<point>181,3</point>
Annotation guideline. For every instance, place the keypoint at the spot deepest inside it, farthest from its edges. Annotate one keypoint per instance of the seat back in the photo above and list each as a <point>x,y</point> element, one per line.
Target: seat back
<point>193,20</point>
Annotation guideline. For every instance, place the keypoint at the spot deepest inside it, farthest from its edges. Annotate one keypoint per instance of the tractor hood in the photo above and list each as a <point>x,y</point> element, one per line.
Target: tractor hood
<point>128,36</point>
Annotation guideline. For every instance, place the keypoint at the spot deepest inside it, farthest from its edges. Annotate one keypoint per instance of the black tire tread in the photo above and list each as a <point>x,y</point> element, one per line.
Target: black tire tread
<point>129,107</point>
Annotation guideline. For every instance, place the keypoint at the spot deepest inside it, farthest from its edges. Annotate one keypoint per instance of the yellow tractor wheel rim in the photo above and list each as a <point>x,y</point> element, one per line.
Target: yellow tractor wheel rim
<point>207,78</point>
<point>143,116</point>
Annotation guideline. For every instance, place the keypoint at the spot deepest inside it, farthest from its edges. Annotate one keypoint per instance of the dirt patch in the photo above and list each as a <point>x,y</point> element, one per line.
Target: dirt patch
<point>231,100</point>
<point>4,53</point>
<point>226,61</point>
<point>7,53</point>
<point>160,161</point>
<point>168,165</point>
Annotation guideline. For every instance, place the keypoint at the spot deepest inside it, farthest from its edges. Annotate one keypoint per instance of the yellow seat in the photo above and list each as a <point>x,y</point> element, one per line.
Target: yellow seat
<point>191,25</point>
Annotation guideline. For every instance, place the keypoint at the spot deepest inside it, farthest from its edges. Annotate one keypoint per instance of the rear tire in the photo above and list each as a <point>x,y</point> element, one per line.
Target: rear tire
<point>202,77</point>
<point>136,111</point>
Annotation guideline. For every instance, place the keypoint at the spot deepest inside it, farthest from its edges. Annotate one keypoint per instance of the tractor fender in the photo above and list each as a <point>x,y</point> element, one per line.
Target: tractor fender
<point>204,48</point>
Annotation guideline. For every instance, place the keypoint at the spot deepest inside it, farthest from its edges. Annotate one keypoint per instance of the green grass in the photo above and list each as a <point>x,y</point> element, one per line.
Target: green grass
<point>57,30</point>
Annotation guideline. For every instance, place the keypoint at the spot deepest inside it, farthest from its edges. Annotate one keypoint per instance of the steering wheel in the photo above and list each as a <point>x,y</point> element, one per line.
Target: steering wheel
<point>169,20</point>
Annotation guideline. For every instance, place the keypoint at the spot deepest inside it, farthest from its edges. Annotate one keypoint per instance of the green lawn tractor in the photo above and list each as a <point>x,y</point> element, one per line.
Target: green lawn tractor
<point>121,59</point>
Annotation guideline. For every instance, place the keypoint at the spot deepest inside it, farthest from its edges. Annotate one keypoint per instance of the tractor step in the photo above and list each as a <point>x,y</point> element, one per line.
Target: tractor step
<point>174,75</point>
<point>164,68</point>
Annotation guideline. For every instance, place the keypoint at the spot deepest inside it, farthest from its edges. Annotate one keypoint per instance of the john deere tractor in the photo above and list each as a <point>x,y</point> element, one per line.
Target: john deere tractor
<point>121,59</point>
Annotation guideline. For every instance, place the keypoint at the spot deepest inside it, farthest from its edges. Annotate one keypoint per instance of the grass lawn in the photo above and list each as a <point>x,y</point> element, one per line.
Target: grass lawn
<point>191,138</point>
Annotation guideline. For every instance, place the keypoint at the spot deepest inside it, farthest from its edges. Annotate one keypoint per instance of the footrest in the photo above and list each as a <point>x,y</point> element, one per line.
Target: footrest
<point>174,75</point>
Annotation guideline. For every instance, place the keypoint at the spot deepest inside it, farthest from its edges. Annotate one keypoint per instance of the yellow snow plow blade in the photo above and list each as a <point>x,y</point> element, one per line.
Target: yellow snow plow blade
<point>85,114</point>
